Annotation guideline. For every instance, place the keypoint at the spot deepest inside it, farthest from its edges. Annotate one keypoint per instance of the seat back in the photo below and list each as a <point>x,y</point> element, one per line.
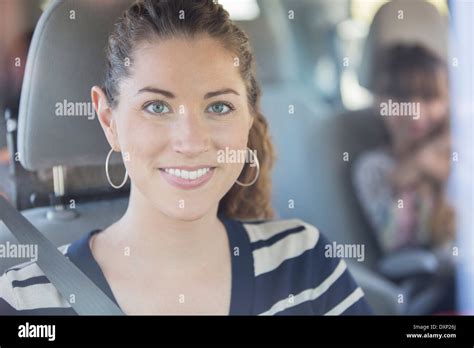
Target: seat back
<point>403,21</point>
<point>65,59</point>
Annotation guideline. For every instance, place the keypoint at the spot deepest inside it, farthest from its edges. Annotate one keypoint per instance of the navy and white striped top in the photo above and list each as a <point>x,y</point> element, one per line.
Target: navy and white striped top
<point>278,267</point>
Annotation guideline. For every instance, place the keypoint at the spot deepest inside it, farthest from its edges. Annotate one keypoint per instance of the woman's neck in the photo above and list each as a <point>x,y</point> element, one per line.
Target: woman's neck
<point>161,238</point>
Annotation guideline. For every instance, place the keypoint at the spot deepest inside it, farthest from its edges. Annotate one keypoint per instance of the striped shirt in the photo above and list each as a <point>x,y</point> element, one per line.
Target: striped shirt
<point>278,268</point>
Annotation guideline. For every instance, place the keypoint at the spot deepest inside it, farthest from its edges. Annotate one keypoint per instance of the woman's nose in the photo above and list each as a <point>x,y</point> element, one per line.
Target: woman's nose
<point>191,135</point>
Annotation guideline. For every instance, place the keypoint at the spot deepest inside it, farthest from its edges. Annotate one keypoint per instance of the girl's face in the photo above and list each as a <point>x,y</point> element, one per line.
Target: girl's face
<point>183,102</point>
<point>430,113</point>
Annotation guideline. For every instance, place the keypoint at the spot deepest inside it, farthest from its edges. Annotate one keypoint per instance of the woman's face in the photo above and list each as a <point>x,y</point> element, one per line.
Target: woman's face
<point>183,102</point>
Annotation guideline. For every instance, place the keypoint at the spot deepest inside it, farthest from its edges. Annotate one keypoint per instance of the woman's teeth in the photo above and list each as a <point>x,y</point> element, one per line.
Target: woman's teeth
<point>187,174</point>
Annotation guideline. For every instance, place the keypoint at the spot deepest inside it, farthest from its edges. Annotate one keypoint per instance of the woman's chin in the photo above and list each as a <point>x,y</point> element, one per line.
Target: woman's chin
<point>187,213</point>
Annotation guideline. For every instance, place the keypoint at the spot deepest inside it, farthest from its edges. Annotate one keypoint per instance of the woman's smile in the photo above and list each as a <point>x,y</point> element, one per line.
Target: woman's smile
<point>187,178</point>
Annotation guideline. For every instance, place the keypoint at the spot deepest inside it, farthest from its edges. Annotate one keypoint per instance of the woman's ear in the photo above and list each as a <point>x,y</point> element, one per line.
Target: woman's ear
<point>104,113</point>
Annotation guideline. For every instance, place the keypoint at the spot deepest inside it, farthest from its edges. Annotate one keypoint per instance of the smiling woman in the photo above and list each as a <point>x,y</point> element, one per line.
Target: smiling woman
<point>196,238</point>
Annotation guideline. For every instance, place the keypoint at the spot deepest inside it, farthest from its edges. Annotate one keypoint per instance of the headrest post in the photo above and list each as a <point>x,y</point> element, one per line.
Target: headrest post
<point>58,181</point>
<point>59,210</point>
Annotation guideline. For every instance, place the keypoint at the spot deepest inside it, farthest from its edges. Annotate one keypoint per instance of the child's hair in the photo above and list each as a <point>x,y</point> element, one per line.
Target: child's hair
<point>405,71</point>
<point>149,20</point>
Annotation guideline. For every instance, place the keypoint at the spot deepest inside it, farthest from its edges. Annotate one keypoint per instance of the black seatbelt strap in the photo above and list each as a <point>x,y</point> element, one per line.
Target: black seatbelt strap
<point>61,272</point>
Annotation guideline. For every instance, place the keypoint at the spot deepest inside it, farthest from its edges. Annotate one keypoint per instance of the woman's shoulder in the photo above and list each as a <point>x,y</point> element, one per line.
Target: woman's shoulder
<point>285,239</point>
<point>274,230</point>
<point>295,249</point>
<point>25,290</point>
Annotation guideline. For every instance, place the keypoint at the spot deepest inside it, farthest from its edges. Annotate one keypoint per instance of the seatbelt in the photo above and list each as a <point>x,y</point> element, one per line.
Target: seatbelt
<point>61,272</point>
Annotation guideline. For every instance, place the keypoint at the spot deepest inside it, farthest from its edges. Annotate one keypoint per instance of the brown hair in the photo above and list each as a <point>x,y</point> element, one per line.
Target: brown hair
<point>408,71</point>
<point>150,19</point>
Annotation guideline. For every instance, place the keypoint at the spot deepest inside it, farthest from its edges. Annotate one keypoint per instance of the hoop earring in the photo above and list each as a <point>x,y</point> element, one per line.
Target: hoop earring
<point>108,176</point>
<point>258,171</point>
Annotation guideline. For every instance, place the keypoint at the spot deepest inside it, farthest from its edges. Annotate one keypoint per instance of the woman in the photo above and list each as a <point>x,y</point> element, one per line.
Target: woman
<point>180,101</point>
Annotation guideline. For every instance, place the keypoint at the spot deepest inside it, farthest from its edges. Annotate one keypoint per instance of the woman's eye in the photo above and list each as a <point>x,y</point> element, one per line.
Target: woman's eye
<point>157,108</point>
<point>220,108</point>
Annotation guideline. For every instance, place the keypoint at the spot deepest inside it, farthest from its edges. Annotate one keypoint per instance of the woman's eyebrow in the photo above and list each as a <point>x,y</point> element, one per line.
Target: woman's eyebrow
<point>157,91</point>
<point>171,95</point>
<point>219,92</point>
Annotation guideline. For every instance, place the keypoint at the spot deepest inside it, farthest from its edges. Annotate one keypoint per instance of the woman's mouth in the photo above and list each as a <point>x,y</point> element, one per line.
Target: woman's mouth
<point>187,177</point>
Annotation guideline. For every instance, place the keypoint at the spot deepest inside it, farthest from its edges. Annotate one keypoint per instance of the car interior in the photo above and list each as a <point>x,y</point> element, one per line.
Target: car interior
<point>61,188</point>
